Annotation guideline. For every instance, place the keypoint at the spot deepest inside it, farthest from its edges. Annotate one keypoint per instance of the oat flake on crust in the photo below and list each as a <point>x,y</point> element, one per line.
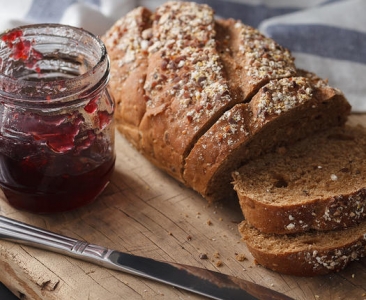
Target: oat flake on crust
<point>266,58</point>
<point>279,96</point>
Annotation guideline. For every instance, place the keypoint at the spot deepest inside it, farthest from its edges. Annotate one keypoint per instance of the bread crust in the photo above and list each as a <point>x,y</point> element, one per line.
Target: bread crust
<point>308,254</point>
<point>337,212</point>
<point>127,44</point>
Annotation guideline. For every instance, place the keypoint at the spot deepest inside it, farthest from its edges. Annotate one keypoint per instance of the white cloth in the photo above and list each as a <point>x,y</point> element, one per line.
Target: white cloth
<point>327,37</point>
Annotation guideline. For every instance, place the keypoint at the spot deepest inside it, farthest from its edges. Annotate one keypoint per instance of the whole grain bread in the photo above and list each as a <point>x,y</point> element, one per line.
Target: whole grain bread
<point>318,183</point>
<point>200,96</point>
<point>306,254</point>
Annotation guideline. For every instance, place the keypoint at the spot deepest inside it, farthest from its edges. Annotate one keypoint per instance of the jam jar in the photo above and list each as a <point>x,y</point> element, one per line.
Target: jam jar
<point>56,118</point>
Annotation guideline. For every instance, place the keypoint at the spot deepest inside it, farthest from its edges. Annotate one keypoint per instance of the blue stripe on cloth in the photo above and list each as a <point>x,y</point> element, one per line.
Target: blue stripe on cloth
<point>251,15</point>
<point>43,11</point>
<point>321,40</point>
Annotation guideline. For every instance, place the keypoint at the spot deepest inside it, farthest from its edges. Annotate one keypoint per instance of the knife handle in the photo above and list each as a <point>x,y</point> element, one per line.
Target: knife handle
<point>19,232</point>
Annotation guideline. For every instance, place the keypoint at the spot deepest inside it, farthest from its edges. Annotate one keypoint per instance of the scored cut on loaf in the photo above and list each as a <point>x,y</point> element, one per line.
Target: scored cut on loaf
<point>178,76</point>
<point>318,183</point>
<point>306,254</point>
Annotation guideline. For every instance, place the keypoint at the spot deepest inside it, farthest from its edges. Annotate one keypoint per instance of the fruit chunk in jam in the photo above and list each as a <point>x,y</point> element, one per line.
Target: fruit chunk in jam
<point>22,49</point>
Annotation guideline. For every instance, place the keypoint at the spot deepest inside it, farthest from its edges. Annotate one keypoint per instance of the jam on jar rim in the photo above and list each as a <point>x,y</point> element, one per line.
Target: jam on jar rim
<point>77,87</point>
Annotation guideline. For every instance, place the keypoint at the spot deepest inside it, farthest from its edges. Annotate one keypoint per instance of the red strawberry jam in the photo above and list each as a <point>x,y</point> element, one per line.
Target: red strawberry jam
<point>56,127</point>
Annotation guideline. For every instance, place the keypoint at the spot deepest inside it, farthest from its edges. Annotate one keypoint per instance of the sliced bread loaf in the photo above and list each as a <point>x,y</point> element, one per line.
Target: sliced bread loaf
<point>306,254</point>
<point>318,183</point>
<point>175,71</point>
<point>197,69</point>
<point>199,96</point>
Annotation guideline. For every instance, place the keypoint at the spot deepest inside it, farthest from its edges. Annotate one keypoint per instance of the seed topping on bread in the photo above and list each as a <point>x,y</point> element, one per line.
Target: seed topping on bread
<point>130,36</point>
<point>279,96</point>
<point>235,126</point>
<point>185,37</point>
<point>336,259</point>
<point>266,58</point>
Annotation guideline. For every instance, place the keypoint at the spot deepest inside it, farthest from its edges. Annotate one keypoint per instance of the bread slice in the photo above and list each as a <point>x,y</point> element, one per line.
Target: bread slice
<point>127,44</point>
<point>318,183</point>
<point>186,86</point>
<point>281,113</point>
<point>306,254</point>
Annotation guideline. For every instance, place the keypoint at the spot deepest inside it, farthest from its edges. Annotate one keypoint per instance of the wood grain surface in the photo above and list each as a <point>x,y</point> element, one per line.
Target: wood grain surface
<point>145,212</point>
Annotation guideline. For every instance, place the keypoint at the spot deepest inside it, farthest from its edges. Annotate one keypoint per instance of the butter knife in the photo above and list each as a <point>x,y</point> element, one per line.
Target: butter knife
<point>204,282</point>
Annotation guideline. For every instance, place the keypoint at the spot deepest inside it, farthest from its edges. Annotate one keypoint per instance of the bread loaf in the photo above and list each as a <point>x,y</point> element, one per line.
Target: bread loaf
<point>205,99</point>
<point>306,254</point>
<point>318,183</point>
<point>199,96</point>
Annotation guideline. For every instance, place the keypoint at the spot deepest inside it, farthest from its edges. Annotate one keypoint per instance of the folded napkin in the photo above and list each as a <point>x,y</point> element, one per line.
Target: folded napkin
<point>327,37</point>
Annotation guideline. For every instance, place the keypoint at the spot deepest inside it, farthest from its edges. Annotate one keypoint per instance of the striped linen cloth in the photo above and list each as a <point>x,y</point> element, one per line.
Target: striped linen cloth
<point>327,37</point>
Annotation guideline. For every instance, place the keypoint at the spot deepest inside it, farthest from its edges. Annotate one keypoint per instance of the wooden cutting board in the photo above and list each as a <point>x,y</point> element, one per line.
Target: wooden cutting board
<point>145,212</point>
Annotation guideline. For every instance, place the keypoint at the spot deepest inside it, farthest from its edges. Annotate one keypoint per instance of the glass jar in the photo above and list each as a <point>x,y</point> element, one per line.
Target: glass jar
<point>56,118</point>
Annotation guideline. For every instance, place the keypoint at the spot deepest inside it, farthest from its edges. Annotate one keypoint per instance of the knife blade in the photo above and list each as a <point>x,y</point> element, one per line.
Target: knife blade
<point>201,281</point>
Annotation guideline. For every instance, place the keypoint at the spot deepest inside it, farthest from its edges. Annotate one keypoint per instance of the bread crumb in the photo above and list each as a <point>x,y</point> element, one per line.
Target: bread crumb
<point>203,256</point>
<point>219,263</point>
<point>209,223</point>
<point>240,257</point>
<point>189,238</point>
<point>216,254</point>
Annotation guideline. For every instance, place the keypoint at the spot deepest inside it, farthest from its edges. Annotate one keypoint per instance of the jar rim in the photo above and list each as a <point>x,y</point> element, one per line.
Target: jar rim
<point>98,74</point>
